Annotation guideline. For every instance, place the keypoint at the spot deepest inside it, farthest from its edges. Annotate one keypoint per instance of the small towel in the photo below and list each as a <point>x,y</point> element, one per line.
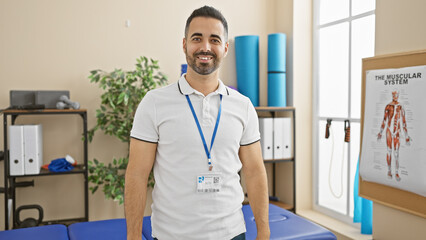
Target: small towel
<point>60,165</point>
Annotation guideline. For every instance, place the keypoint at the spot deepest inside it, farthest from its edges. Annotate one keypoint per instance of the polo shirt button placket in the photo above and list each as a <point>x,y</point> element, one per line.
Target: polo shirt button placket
<point>206,109</point>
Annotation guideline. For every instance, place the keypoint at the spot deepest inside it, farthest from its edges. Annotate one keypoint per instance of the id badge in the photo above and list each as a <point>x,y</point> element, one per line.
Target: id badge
<point>209,182</point>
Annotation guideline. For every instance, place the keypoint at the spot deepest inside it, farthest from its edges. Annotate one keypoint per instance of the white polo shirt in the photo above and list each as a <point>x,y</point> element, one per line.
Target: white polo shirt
<point>164,117</point>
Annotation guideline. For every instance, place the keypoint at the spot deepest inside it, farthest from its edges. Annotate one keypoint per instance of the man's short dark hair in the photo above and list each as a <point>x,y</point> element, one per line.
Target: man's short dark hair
<point>208,12</point>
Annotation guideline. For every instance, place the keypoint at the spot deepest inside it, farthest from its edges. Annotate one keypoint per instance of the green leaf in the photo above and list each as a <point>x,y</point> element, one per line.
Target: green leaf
<point>122,92</point>
<point>121,97</point>
<point>94,189</point>
<point>126,99</point>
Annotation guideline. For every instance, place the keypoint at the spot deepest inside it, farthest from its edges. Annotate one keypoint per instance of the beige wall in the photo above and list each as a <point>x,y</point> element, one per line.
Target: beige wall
<point>399,28</point>
<point>52,45</point>
<point>302,95</point>
<point>295,19</point>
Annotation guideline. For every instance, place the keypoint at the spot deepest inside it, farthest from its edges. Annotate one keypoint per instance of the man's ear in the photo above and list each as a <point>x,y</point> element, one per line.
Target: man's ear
<point>184,45</point>
<point>226,48</point>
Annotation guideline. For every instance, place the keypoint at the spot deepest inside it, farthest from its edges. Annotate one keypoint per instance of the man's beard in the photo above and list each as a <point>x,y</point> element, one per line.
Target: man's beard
<point>202,68</point>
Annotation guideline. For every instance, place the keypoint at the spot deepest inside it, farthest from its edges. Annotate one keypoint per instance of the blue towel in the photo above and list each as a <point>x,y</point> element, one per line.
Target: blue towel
<point>60,165</point>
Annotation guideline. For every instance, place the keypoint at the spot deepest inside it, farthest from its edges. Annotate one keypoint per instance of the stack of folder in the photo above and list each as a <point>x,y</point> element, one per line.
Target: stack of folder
<point>276,138</point>
<point>26,149</point>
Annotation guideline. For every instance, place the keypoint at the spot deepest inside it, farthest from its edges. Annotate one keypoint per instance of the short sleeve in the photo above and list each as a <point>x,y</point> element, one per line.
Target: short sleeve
<point>145,121</point>
<point>251,127</point>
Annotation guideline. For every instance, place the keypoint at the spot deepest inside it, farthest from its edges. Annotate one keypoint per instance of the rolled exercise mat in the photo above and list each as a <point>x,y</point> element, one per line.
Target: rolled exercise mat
<point>277,90</point>
<point>247,61</point>
<point>183,69</point>
<point>277,70</point>
<point>276,52</point>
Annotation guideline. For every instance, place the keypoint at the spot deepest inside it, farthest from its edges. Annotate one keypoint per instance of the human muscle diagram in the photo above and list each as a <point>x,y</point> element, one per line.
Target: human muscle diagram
<point>394,138</point>
<point>394,118</point>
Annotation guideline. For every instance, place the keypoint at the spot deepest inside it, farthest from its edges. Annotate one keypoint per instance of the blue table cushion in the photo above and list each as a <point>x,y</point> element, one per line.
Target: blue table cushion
<point>146,228</point>
<point>283,225</point>
<point>49,232</point>
<point>113,229</point>
<point>286,225</point>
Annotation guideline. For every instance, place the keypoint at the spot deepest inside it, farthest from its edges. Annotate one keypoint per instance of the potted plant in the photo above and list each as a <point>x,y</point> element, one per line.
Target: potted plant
<point>123,91</point>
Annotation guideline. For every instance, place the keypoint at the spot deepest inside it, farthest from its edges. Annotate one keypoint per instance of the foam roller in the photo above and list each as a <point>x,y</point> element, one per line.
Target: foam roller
<point>277,90</point>
<point>277,52</point>
<point>247,61</point>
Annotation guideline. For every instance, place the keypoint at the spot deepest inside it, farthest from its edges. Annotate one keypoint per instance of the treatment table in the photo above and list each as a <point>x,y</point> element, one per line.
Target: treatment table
<point>283,224</point>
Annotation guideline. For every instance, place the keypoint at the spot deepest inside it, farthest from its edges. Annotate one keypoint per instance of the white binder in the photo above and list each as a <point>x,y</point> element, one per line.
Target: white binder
<point>287,138</point>
<point>33,146</point>
<point>16,150</point>
<point>283,144</point>
<point>278,138</point>
<point>266,137</point>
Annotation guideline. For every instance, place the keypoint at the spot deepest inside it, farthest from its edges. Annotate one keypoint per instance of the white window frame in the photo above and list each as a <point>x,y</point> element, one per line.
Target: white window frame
<point>316,118</point>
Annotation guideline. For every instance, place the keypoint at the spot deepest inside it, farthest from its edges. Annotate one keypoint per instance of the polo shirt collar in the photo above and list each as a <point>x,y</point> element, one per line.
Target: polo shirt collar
<point>186,89</point>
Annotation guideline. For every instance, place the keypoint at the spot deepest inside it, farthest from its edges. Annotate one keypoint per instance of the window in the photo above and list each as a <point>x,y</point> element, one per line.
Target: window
<point>343,34</point>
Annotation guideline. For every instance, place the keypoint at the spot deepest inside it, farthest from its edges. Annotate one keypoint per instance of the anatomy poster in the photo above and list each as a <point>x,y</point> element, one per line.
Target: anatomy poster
<point>394,136</point>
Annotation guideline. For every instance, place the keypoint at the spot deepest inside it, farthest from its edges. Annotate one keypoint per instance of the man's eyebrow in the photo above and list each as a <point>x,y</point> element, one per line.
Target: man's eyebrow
<point>200,35</point>
<point>196,34</point>
<point>216,36</point>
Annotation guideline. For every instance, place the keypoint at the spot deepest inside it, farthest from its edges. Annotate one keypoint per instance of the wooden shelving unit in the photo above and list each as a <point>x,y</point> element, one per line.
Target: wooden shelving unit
<point>276,112</point>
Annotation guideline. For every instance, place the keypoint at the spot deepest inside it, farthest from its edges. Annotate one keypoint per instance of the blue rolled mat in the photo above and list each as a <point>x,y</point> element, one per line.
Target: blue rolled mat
<point>183,69</point>
<point>367,218</point>
<point>277,90</point>
<point>247,61</point>
<point>276,52</point>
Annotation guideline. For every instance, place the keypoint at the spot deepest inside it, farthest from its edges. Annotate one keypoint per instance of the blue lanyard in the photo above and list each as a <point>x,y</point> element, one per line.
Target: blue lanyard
<point>208,152</point>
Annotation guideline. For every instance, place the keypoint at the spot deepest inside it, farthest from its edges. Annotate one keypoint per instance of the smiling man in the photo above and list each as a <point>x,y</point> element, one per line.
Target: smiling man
<point>197,134</point>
